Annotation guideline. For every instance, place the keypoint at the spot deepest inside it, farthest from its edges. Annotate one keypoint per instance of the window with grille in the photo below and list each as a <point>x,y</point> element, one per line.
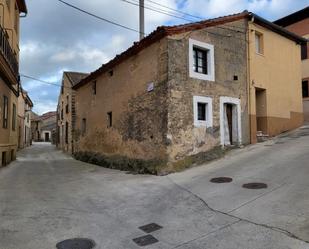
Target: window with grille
<point>201,60</point>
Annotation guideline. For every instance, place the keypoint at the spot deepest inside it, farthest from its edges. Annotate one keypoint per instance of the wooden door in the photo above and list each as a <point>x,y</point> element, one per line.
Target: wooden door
<point>229,114</point>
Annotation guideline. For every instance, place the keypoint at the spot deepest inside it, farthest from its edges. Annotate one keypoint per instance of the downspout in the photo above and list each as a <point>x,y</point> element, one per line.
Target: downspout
<point>249,78</point>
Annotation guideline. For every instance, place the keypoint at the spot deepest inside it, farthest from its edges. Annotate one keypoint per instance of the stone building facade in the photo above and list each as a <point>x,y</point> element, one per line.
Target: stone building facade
<point>181,91</point>
<point>43,127</point>
<point>66,111</point>
<point>9,77</point>
<point>298,23</point>
<point>35,127</point>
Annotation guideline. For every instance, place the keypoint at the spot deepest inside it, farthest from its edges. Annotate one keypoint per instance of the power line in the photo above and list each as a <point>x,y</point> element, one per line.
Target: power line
<point>156,10</point>
<point>182,18</point>
<point>175,10</point>
<point>184,13</point>
<point>42,81</point>
<point>98,17</point>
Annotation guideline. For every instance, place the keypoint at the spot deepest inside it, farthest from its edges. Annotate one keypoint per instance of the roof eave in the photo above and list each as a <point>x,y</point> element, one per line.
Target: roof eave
<point>22,6</point>
<point>274,27</point>
<point>293,18</point>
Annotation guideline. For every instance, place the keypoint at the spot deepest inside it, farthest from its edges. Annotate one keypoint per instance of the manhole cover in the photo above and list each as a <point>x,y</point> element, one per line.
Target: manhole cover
<point>255,185</point>
<point>150,228</point>
<point>77,243</point>
<point>145,240</point>
<point>221,180</point>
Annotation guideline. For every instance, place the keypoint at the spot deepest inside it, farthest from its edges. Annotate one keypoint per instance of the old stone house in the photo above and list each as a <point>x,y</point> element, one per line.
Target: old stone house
<point>24,119</point>
<point>35,127</point>
<point>9,77</point>
<point>187,89</point>
<point>298,23</point>
<point>66,110</point>
<point>44,127</point>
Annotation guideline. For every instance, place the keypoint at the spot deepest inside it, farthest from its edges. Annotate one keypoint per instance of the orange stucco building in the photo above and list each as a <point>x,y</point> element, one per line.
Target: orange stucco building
<point>298,23</point>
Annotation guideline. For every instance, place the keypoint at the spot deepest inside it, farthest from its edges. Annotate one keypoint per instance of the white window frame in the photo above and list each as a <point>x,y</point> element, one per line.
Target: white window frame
<point>210,76</point>
<point>209,114</point>
<point>237,102</point>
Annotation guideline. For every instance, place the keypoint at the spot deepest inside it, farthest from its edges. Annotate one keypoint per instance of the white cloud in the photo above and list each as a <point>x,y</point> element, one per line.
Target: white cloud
<point>44,106</point>
<point>271,9</point>
<point>73,41</point>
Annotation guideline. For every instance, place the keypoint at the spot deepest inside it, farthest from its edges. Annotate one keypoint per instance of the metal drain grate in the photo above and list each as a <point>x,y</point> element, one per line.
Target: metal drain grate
<point>77,243</point>
<point>255,185</point>
<point>149,228</point>
<point>145,240</point>
<point>221,180</point>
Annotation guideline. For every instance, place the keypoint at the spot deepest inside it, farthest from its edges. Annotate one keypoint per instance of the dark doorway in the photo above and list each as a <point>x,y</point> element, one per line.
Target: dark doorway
<point>3,158</point>
<point>46,137</point>
<point>261,110</point>
<point>229,114</point>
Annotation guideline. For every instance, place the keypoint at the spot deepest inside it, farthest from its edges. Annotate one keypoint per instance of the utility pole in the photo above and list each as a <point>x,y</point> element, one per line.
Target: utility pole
<point>141,19</point>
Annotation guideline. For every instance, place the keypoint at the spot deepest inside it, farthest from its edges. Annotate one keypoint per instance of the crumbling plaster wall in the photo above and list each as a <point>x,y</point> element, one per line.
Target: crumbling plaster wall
<point>230,53</point>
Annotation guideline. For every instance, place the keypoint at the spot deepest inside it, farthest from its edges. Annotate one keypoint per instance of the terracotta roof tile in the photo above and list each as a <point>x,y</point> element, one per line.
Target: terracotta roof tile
<point>164,31</point>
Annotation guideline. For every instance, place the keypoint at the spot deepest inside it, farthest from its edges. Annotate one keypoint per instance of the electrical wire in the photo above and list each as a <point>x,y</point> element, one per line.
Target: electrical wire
<point>175,10</point>
<point>135,3</point>
<point>98,17</point>
<point>42,81</point>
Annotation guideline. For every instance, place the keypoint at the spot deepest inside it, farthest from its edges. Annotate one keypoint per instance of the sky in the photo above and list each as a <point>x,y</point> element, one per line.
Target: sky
<point>57,38</point>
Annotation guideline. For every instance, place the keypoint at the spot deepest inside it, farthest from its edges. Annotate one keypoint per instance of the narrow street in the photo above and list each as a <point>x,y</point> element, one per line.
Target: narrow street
<point>47,197</point>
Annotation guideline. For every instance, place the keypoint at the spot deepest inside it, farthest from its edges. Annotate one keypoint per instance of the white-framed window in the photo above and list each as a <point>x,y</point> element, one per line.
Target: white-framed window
<point>202,110</point>
<point>201,60</point>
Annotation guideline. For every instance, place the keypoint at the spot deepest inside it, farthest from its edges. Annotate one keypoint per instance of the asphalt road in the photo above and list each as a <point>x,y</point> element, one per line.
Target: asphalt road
<point>47,197</point>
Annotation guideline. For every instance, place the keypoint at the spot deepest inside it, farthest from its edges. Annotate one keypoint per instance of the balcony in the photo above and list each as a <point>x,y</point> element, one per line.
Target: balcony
<point>7,53</point>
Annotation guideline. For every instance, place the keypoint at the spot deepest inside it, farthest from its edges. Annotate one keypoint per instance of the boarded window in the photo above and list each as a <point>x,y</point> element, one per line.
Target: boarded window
<point>84,123</point>
<point>259,48</point>
<point>5,112</point>
<point>305,89</point>
<point>14,118</point>
<point>66,132</point>
<point>94,87</point>
<point>109,119</point>
<point>304,51</point>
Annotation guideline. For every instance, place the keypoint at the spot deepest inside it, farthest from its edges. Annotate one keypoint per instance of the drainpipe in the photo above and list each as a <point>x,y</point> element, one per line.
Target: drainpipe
<point>249,78</point>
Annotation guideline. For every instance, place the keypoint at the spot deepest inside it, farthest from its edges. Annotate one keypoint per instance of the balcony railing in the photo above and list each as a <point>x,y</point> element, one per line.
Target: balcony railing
<point>7,52</point>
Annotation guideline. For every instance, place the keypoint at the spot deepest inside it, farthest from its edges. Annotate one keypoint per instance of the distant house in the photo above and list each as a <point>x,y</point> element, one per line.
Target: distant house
<point>66,111</point>
<point>9,77</point>
<point>24,119</point>
<point>35,126</point>
<point>44,127</point>
<point>298,23</point>
<point>187,89</point>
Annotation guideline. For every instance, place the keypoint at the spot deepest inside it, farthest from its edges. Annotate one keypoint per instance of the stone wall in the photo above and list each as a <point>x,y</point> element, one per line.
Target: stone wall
<point>230,53</point>
<point>139,111</point>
